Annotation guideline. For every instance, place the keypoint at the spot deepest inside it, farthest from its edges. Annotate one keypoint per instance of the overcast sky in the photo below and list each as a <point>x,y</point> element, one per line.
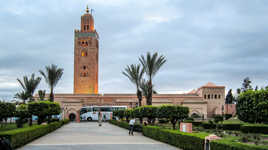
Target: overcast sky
<point>220,41</point>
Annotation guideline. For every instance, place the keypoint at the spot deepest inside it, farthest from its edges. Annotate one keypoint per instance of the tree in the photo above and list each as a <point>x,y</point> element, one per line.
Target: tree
<point>6,110</point>
<point>252,106</point>
<point>246,85</point>
<point>229,97</point>
<point>42,94</point>
<point>23,96</point>
<point>150,112</point>
<point>144,85</point>
<point>173,113</point>
<point>22,113</point>
<point>151,65</point>
<point>135,73</point>
<point>28,85</point>
<point>43,109</point>
<point>52,76</point>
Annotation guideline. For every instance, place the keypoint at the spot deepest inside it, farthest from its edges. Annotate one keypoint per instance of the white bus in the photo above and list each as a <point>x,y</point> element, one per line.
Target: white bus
<point>91,112</point>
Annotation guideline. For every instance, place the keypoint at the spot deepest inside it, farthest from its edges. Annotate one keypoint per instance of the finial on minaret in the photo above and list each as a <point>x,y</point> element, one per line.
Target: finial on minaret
<point>87,9</point>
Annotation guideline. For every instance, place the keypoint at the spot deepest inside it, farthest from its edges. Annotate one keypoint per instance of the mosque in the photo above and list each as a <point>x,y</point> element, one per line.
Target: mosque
<point>206,101</point>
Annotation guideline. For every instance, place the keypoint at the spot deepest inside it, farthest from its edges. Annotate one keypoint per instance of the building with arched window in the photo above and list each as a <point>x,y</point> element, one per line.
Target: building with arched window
<point>205,101</point>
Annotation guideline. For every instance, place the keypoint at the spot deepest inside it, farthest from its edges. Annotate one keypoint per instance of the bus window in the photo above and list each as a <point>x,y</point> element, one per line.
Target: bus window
<point>106,109</point>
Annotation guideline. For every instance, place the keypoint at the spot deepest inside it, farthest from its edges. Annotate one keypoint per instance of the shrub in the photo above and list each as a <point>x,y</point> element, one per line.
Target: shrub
<point>224,144</point>
<point>123,124</point>
<point>22,113</point>
<point>173,113</point>
<point>231,126</point>
<point>186,141</point>
<point>44,109</point>
<point>255,128</point>
<point>6,110</point>
<point>22,136</point>
<point>218,118</point>
<point>210,125</point>
<point>128,114</point>
<point>252,106</point>
<point>228,116</point>
<point>137,113</point>
<point>150,112</point>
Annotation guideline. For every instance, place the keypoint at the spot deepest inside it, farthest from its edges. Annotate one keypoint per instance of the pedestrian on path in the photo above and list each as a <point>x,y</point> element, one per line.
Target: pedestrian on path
<point>100,118</point>
<point>131,126</point>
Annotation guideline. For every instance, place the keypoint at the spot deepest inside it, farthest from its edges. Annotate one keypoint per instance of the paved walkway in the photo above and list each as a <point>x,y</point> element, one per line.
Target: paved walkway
<point>88,136</point>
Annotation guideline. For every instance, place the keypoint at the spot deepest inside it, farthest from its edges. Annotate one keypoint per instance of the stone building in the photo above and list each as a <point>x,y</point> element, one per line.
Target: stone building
<point>205,101</point>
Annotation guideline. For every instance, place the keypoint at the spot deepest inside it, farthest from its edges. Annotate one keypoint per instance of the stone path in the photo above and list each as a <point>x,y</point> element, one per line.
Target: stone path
<point>88,136</point>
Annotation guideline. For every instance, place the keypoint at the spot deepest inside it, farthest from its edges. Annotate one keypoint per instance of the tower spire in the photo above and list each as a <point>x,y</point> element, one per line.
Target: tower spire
<point>87,9</point>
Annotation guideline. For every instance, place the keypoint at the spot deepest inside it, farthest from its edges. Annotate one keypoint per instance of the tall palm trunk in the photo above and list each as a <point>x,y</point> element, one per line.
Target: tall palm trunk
<point>51,96</point>
<point>150,92</point>
<point>139,95</point>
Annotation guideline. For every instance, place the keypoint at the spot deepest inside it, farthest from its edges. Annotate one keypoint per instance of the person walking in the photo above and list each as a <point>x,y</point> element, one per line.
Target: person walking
<point>100,118</point>
<point>131,126</point>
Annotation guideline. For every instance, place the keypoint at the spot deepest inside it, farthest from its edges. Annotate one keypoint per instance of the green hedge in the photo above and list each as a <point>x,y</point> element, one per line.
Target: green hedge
<point>225,126</point>
<point>231,126</point>
<point>22,136</point>
<point>185,141</point>
<point>255,128</point>
<point>123,124</point>
<point>208,125</point>
<point>229,145</point>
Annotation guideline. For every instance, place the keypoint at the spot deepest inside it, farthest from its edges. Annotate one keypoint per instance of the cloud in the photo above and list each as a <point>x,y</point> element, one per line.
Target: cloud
<point>203,40</point>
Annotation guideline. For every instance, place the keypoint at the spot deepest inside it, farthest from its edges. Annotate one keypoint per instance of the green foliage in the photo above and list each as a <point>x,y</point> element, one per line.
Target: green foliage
<point>128,114</point>
<point>43,109</point>
<point>209,125</point>
<point>252,106</point>
<point>123,124</point>
<point>186,141</point>
<point>150,112</point>
<point>135,73</point>
<point>41,94</point>
<point>6,110</point>
<point>22,136</point>
<point>255,128</point>
<point>151,64</point>
<point>28,85</point>
<point>229,97</point>
<point>227,116</point>
<point>22,113</point>
<point>52,76</point>
<point>173,113</point>
<point>218,118</point>
<point>231,126</point>
<point>226,144</point>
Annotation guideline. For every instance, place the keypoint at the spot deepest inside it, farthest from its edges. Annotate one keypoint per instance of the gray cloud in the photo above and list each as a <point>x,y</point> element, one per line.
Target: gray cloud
<point>211,40</point>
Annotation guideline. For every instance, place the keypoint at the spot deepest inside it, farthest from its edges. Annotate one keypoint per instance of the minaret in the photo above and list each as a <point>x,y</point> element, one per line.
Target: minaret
<point>86,56</point>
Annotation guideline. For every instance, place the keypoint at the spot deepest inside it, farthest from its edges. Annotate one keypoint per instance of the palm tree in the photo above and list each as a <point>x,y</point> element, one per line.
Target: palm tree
<point>23,96</point>
<point>135,74</point>
<point>151,64</point>
<point>52,76</point>
<point>41,94</point>
<point>28,86</point>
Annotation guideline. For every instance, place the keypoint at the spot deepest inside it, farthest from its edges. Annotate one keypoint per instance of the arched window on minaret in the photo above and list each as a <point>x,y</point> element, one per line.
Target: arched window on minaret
<point>83,53</point>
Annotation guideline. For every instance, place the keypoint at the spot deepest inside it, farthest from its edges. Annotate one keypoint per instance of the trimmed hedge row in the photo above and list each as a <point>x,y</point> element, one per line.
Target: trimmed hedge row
<point>256,128</point>
<point>185,141</point>
<point>22,136</point>
<point>246,128</point>
<point>229,145</point>
<point>123,124</point>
